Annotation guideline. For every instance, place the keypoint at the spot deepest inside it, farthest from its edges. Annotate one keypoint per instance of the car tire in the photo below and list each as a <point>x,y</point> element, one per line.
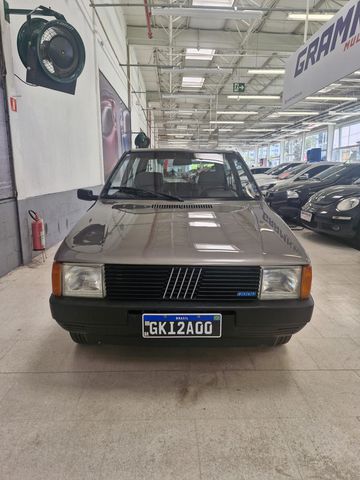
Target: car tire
<point>356,240</point>
<point>277,341</point>
<point>82,339</point>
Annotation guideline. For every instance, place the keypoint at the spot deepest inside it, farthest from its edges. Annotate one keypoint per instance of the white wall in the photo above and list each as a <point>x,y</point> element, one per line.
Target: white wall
<point>57,137</point>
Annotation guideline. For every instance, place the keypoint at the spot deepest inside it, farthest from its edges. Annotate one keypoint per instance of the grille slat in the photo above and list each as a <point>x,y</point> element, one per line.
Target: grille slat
<point>182,206</point>
<point>181,283</point>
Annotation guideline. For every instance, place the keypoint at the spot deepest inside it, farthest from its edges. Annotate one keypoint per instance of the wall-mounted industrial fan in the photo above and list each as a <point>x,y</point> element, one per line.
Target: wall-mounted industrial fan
<point>52,51</point>
<point>142,140</point>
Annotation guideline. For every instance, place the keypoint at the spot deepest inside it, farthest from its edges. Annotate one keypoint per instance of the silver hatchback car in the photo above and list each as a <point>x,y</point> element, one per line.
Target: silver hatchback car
<point>180,245</point>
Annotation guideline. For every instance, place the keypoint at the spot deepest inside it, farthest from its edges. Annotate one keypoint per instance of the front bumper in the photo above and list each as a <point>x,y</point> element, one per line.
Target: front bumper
<point>325,223</point>
<point>286,208</point>
<point>253,319</point>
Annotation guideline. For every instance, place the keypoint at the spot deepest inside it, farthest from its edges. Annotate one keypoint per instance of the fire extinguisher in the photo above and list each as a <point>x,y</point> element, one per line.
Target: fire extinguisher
<point>38,231</point>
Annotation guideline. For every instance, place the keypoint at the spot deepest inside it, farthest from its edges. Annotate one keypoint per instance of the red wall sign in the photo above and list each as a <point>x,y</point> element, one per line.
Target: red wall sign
<point>13,104</point>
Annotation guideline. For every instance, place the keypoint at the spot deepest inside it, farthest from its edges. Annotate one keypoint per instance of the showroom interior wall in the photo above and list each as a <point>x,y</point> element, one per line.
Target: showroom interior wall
<point>56,137</point>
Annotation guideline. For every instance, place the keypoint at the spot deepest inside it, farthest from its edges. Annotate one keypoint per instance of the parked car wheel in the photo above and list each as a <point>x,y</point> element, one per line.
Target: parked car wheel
<point>82,339</point>
<point>277,341</point>
<point>356,240</point>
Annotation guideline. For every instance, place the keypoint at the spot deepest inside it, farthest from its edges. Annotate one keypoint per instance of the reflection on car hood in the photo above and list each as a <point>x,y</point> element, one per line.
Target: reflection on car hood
<point>335,194</point>
<point>286,184</point>
<point>267,181</point>
<point>134,232</point>
<point>263,176</point>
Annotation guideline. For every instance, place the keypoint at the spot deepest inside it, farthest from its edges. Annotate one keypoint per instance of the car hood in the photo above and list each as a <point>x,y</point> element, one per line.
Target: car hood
<point>304,185</point>
<point>267,181</point>
<point>134,232</point>
<point>335,194</point>
<point>263,176</point>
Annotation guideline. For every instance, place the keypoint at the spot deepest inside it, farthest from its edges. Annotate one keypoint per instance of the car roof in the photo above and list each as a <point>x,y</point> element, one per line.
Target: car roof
<point>205,150</point>
<point>323,163</point>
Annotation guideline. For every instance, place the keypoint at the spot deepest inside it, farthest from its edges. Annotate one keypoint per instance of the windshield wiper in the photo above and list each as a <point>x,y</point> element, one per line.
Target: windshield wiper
<point>139,192</point>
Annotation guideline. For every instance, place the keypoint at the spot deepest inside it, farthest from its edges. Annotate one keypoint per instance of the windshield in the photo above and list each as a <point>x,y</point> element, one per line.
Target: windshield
<point>339,171</point>
<point>293,171</point>
<point>278,169</point>
<point>180,175</point>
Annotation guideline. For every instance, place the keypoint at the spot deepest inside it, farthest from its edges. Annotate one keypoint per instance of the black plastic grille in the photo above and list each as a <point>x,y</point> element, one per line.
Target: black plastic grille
<point>182,206</point>
<point>181,283</point>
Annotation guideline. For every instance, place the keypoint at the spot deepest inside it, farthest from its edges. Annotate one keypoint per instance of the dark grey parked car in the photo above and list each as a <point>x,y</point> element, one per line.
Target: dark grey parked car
<point>181,245</point>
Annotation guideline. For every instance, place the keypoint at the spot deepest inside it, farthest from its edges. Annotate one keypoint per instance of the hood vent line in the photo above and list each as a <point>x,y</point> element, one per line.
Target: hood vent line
<point>181,206</point>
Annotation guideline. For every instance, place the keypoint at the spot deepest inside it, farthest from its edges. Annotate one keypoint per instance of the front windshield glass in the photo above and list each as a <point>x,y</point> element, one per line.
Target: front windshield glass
<point>338,171</point>
<point>293,171</point>
<point>177,175</point>
<point>279,169</point>
<point>272,170</point>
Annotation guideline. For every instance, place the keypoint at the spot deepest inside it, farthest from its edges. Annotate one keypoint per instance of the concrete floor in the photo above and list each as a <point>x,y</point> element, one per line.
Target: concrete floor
<point>109,412</point>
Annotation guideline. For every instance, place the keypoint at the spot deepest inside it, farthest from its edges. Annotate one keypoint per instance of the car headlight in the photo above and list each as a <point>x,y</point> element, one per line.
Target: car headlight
<point>82,280</point>
<point>347,204</point>
<point>292,194</point>
<point>280,283</point>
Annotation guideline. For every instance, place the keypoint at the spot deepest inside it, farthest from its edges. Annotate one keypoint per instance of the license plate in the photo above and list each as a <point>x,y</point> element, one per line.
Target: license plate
<point>181,325</point>
<point>307,216</point>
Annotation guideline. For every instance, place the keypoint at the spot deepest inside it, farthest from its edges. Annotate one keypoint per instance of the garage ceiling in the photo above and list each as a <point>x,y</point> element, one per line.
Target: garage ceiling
<point>190,91</point>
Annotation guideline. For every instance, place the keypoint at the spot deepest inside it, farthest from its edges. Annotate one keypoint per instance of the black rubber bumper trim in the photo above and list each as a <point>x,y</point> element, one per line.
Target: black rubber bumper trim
<point>249,319</point>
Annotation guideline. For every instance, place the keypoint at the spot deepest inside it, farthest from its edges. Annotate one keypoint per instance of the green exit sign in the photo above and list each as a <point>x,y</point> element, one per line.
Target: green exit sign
<point>238,87</point>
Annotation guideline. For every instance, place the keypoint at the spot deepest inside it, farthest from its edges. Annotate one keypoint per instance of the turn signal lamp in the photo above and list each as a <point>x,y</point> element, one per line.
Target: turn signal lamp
<point>56,279</point>
<point>306,279</point>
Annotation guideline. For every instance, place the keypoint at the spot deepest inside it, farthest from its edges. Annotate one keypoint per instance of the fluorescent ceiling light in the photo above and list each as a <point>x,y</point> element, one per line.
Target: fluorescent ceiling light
<point>219,130</point>
<point>330,87</point>
<point>178,132</point>
<point>318,124</point>
<point>266,71</point>
<point>292,130</point>
<point>295,113</point>
<point>227,122</point>
<point>260,130</point>
<point>334,99</point>
<point>180,135</point>
<point>187,95</point>
<point>350,80</point>
<point>213,10</point>
<point>193,82</point>
<point>236,112</point>
<point>314,17</point>
<point>199,53</point>
<point>344,114</point>
<point>276,123</point>
<point>253,97</point>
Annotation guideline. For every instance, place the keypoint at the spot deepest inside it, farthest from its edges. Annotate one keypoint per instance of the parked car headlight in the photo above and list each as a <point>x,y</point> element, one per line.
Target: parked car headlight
<point>280,283</point>
<point>83,280</point>
<point>347,204</point>
<point>292,194</point>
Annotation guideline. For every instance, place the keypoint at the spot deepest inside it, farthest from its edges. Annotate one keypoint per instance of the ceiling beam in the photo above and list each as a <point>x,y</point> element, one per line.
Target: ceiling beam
<point>154,96</point>
<point>215,39</point>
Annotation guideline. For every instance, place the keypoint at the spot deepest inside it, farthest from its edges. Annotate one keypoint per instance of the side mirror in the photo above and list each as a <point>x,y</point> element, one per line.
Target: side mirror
<point>88,195</point>
<point>304,176</point>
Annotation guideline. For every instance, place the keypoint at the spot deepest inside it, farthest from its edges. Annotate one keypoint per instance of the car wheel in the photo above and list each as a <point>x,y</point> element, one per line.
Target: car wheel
<point>356,241</point>
<point>280,340</point>
<point>82,339</point>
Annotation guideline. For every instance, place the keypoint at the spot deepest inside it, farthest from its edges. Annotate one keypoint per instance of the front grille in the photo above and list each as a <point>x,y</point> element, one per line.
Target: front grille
<point>181,283</point>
